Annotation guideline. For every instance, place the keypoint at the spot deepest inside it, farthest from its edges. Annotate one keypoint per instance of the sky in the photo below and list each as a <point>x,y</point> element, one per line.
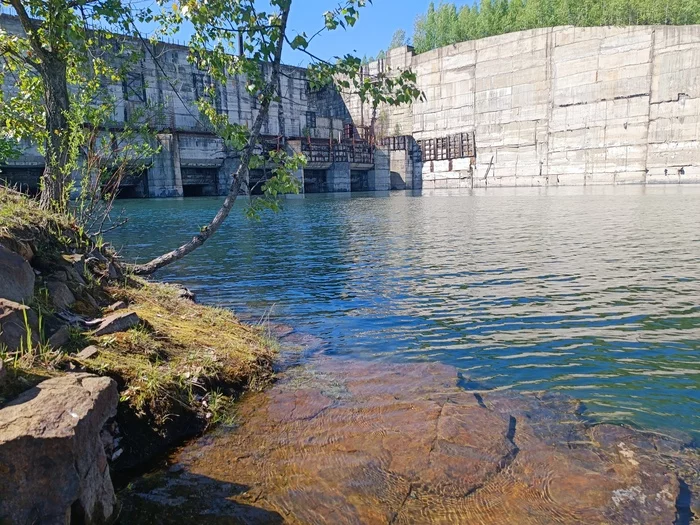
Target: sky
<point>372,32</point>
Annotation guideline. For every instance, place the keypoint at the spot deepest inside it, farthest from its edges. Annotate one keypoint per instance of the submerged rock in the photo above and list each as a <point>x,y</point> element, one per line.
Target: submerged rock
<point>16,277</point>
<point>354,442</point>
<point>52,462</point>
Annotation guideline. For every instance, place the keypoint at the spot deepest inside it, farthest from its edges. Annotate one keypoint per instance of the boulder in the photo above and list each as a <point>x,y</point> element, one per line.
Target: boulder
<point>187,294</point>
<point>60,337</point>
<point>14,320</point>
<point>60,295</point>
<point>119,305</point>
<point>17,246</point>
<point>87,352</point>
<point>119,322</point>
<point>16,277</point>
<point>52,463</point>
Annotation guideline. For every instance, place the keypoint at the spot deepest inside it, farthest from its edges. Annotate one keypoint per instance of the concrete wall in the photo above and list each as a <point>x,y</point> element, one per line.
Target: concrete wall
<point>558,106</point>
<point>174,85</point>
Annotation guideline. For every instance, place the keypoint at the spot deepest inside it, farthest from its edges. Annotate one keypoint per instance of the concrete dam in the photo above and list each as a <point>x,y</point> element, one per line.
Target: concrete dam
<point>555,106</point>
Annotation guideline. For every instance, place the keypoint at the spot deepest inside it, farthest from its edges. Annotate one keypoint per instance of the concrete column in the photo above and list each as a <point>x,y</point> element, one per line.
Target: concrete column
<point>399,167</point>
<point>339,177</point>
<point>294,147</point>
<point>224,176</point>
<point>380,177</point>
<point>164,176</point>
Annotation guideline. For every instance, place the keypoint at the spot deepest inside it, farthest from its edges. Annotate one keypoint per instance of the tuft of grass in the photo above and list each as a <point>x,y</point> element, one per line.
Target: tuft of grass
<point>185,357</point>
<point>22,218</point>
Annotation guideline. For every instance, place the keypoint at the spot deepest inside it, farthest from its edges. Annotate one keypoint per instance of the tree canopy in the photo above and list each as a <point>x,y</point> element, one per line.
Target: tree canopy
<point>447,24</point>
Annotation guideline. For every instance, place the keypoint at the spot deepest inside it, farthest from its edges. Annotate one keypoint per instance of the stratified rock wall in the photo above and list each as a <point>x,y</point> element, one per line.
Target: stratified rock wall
<point>555,106</point>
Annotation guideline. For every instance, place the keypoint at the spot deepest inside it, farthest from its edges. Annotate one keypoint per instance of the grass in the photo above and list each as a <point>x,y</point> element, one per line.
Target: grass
<point>23,221</point>
<point>185,356</point>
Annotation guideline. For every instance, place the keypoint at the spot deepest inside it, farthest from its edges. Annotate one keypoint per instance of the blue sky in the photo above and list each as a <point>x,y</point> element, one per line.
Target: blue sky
<point>372,32</point>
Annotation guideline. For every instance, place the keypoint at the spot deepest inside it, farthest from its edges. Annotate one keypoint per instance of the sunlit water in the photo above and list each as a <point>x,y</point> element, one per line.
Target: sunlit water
<point>595,292</point>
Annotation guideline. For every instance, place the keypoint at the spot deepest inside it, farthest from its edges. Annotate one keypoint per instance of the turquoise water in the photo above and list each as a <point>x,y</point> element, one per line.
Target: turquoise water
<point>590,291</point>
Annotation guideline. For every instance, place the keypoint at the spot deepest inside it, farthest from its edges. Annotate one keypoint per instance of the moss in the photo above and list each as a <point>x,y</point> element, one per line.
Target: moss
<point>23,223</point>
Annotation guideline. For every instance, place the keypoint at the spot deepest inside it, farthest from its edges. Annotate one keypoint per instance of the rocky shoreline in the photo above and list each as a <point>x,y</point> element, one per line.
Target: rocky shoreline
<point>101,372</point>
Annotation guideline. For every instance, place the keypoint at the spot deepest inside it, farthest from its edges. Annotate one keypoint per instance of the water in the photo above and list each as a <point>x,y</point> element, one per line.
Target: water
<point>591,291</point>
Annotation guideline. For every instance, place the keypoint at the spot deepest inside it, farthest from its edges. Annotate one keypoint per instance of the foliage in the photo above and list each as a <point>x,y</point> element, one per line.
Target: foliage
<point>446,24</point>
<point>246,40</point>
<point>398,39</point>
<point>61,71</point>
<point>214,48</point>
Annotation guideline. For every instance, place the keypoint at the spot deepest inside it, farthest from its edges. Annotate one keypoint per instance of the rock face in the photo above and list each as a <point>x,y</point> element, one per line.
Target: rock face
<point>16,277</point>
<point>371,443</point>
<point>52,463</point>
<point>13,325</point>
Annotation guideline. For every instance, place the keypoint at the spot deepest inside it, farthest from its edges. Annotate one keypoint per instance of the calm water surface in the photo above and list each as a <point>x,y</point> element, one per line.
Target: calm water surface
<point>595,292</point>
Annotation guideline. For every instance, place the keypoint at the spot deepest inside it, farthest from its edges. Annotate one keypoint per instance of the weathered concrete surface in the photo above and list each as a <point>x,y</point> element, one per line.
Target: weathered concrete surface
<point>191,155</point>
<point>53,468</point>
<point>557,106</point>
<point>351,442</point>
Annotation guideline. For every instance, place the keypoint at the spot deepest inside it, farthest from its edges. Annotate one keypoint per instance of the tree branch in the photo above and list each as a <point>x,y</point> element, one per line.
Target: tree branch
<point>241,173</point>
<point>28,25</point>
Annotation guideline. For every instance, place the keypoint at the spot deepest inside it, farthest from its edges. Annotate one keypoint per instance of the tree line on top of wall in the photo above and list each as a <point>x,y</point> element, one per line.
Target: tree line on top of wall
<point>398,39</point>
<point>448,24</point>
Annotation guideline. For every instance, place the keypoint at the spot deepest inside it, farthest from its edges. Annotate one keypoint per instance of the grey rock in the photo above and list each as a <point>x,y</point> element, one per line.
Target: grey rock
<point>96,254</point>
<point>60,337</point>
<point>88,352</point>
<point>119,305</point>
<point>13,325</point>
<point>3,372</point>
<point>187,294</point>
<point>54,468</point>
<point>114,271</point>
<point>60,295</point>
<point>16,277</point>
<point>22,248</point>
<point>75,262</point>
<point>59,275</point>
<point>119,322</point>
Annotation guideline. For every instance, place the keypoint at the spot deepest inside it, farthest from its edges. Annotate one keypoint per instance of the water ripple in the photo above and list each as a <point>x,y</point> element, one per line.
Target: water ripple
<point>593,290</point>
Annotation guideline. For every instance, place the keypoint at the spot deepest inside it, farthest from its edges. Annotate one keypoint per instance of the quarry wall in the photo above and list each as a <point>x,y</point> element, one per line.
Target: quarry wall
<point>555,106</point>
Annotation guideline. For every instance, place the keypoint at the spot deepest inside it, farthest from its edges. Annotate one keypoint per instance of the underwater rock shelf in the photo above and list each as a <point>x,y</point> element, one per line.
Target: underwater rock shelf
<point>341,441</point>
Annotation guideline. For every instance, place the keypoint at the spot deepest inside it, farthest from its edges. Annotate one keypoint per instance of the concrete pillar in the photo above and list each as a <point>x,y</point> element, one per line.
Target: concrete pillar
<point>294,147</point>
<point>164,176</point>
<point>398,167</point>
<point>379,178</point>
<point>224,176</point>
<point>339,177</point>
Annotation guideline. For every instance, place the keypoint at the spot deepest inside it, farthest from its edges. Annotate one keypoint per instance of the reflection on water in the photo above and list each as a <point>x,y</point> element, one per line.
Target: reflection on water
<point>591,291</point>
